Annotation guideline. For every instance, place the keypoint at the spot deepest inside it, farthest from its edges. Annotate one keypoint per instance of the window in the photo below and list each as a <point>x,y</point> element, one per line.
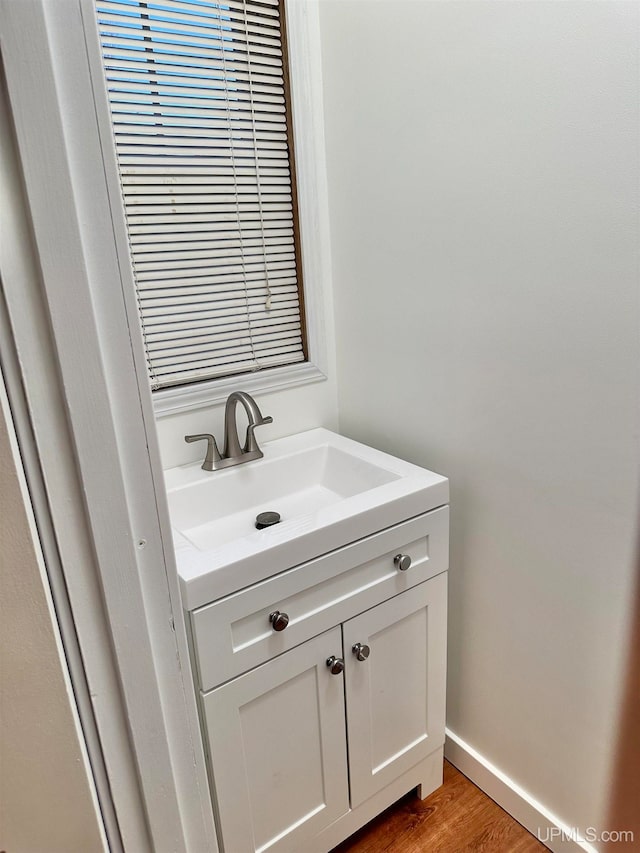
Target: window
<point>198,96</point>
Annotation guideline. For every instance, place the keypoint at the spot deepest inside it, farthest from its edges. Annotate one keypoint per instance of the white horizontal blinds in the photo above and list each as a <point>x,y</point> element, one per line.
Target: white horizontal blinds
<point>200,121</point>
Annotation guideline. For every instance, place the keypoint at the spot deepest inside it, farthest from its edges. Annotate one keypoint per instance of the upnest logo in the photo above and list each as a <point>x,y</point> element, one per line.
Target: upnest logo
<point>592,835</point>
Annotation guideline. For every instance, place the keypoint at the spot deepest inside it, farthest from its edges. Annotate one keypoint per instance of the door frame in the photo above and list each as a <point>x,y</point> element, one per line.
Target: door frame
<point>79,364</point>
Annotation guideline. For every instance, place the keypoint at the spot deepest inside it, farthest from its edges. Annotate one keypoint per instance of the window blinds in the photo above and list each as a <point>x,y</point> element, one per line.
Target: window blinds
<point>199,113</point>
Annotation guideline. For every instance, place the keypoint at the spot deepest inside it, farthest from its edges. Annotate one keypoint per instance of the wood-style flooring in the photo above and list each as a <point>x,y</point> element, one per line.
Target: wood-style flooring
<point>456,818</point>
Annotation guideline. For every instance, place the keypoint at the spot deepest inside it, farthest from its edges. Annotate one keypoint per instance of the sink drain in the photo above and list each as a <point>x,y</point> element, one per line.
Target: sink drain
<point>267,519</point>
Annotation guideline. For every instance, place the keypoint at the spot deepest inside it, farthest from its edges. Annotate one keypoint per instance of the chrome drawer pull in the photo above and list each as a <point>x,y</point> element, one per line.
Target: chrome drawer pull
<point>361,651</point>
<point>336,665</point>
<point>278,620</point>
<point>402,562</point>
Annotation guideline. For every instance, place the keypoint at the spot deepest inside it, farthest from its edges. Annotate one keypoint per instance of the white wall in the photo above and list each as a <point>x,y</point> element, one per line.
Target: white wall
<point>482,166</point>
<point>47,799</point>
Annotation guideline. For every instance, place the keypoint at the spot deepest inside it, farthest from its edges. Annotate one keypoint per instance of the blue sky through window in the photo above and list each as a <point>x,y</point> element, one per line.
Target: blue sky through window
<point>157,41</point>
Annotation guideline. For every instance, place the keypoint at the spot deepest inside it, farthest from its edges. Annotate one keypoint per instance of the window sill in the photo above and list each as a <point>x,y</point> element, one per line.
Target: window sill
<point>170,401</point>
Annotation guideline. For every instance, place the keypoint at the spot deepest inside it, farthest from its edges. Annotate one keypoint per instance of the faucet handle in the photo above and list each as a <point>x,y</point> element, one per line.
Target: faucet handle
<point>213,454</point>
<point>250,444</point>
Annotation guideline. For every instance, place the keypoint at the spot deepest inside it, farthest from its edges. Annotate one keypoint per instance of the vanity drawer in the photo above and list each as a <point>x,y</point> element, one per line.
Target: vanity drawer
<point>235,633</point>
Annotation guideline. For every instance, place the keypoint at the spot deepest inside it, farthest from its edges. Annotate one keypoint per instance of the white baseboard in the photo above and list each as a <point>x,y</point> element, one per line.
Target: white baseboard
<point>540,822</point>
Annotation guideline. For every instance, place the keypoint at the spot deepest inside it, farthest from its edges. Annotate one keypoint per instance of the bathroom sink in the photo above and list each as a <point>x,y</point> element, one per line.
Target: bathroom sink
<point>214,510</point>
<point>327,489</point>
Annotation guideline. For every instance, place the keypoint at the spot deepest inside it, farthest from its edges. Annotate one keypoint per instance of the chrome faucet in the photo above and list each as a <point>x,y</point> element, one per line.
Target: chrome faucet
<point>233,453</point>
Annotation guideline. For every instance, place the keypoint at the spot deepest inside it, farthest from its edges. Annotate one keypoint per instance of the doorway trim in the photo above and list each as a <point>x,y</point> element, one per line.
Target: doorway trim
<point>70,305</point>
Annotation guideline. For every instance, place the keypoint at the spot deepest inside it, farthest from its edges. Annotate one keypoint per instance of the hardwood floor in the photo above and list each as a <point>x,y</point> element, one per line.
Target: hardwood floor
<point>456,818</point>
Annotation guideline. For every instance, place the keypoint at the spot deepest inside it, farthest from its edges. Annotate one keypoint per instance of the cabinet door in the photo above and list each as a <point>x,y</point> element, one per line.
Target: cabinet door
<point>396,696</point>
<point>278,751</point>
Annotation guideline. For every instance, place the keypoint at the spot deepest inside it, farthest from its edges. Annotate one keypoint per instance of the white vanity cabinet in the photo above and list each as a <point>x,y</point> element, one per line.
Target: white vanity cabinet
<point>315,728</point>
<point>396,696</point>
<point>278,750</point>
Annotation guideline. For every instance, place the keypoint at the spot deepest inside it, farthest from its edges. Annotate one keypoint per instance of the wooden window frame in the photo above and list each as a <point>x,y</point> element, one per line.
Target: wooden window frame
<point>262,342</point>
<point>301,40</point>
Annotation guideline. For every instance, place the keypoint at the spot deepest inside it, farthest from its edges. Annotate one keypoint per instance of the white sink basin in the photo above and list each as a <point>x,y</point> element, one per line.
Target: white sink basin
<point>328,490</point>
<point>217,509</point>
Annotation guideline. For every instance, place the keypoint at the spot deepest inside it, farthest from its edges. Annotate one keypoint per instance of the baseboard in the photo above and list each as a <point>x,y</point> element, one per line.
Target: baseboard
<point>540,822</point>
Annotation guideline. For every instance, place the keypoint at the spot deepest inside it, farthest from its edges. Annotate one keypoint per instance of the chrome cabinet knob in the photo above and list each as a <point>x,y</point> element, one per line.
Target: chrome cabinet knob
<point>402,562</point>
<point>278,620</point>
<point>361,651</point>
<point>336,665</point>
